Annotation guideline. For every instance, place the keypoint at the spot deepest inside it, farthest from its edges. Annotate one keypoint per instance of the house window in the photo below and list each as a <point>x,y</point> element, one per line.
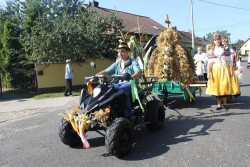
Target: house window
<point>246,52</point>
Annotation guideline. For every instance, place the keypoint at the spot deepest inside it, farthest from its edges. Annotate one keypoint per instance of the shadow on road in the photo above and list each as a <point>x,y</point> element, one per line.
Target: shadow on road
<point>149,144</point>
<point>205,102</point>
<point>181,130</point>
<point>244,85</point>
<point>94,142</point>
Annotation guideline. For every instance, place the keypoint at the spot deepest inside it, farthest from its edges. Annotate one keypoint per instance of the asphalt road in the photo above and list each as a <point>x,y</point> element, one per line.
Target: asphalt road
<point>199,136</point>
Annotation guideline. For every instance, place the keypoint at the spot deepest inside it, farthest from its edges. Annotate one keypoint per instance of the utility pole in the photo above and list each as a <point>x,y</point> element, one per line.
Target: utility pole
<point>192,19</point>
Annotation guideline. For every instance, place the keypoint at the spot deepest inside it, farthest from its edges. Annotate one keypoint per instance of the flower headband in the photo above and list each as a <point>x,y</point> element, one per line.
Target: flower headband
<point>216,36</point>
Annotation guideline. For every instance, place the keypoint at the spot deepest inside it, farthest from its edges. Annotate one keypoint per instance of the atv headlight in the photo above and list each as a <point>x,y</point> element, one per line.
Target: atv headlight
<point>96,92</point>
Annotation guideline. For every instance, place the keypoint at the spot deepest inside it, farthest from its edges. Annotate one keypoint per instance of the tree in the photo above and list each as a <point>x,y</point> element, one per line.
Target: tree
<point>5,14</point>
<point>238,44</point>
<point>2,20</point>
<point>223,33</point>
<point>14,62</point>
<point>84,35</point>
<point>34,31</point>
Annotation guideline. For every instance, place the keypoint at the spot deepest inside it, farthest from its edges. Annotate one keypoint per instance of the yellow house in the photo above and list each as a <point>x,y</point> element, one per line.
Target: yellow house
<point>51,77</point>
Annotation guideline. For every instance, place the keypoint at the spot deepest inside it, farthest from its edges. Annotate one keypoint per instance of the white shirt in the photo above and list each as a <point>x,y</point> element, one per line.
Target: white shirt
<point>68,72</point>
<point>201,57</point>
<point>218,51</point>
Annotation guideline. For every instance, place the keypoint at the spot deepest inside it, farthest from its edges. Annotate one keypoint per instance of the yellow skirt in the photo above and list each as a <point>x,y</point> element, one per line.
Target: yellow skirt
<point>221,83</point>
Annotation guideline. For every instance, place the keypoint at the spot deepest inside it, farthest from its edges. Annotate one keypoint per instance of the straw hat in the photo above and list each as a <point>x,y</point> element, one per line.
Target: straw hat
<point>123,45</point>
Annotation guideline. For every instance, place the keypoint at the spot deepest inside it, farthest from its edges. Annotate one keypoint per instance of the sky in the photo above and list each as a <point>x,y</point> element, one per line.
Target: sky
<point>208,15</point>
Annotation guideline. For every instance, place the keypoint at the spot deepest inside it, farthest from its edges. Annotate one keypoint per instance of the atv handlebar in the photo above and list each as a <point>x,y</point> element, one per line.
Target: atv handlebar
<point>116,76</point>
<point>123,77</point>
<point>102,78</point>
<point>95,78</point>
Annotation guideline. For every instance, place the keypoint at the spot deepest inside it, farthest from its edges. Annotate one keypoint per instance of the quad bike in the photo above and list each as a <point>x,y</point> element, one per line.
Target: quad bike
<point>105,108</point>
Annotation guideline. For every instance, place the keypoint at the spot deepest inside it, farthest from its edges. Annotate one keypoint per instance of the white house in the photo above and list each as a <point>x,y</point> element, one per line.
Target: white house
<point>245,47</point>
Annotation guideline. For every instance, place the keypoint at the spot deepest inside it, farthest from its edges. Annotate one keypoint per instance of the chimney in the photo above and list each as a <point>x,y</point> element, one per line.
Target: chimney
<point>95,4</point>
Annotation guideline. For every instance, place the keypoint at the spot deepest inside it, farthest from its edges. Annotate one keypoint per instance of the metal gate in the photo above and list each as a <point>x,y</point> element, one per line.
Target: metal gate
<point>8,92</point>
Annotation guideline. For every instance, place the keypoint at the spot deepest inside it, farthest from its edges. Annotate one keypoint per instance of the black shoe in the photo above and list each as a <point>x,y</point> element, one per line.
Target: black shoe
<point>218,108</point>
<point>66,95</point>
<point>225,107</point>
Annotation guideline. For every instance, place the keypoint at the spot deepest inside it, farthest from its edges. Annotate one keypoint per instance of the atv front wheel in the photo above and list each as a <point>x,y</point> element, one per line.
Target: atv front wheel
<point>119,137</point>
<point>155,114</point>
<point>67,134</point>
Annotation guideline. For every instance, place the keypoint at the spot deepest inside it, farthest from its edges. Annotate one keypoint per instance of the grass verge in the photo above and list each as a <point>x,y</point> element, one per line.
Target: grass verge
<point>55,94</point>
<point>23,93</point>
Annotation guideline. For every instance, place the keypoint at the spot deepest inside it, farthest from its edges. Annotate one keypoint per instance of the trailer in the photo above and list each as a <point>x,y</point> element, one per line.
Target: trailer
<point>164,88</point>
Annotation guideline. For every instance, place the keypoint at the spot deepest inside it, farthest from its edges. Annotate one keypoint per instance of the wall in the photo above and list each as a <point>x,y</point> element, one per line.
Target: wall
<point>54,74</point>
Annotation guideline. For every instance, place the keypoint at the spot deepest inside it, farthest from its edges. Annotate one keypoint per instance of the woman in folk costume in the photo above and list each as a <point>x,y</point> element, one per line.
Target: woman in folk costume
<point>236,64</point>
<point>228,51</point>
<point>222,81</point>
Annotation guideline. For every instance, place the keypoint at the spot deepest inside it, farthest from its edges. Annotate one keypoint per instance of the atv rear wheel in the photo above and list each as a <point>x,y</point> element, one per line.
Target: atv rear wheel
<point>119,137</point>
<point>67,134</point>
<point>155,114</point>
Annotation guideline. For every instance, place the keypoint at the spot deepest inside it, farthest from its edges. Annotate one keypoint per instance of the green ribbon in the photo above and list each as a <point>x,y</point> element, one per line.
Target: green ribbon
<point>199,90</point>
<point>134,92</point>
<point>190,95</point>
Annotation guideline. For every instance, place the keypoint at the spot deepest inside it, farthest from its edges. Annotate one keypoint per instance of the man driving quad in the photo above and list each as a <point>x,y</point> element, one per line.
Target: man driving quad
<point>118,68</point>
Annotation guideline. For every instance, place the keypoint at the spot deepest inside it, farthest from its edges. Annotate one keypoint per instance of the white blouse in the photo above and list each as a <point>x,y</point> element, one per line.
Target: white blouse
<point>218,51</point>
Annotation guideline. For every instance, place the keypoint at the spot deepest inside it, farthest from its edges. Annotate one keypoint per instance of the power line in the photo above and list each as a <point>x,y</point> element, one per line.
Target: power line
<point>225,26</point>
<point>224,5</point>
<point>181,6</point>
<point>189,11</point>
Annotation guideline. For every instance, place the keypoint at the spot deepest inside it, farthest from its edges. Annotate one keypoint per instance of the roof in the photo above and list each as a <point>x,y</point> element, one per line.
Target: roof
<point>186,37</point>
<point>204,41</point>
<point>146,24</point>
<point>134,23</point>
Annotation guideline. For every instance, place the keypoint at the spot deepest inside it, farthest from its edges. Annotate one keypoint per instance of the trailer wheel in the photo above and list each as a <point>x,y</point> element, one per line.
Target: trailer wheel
<point>67,134</point>
<point>119,137</point>
<point>155,114</point>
